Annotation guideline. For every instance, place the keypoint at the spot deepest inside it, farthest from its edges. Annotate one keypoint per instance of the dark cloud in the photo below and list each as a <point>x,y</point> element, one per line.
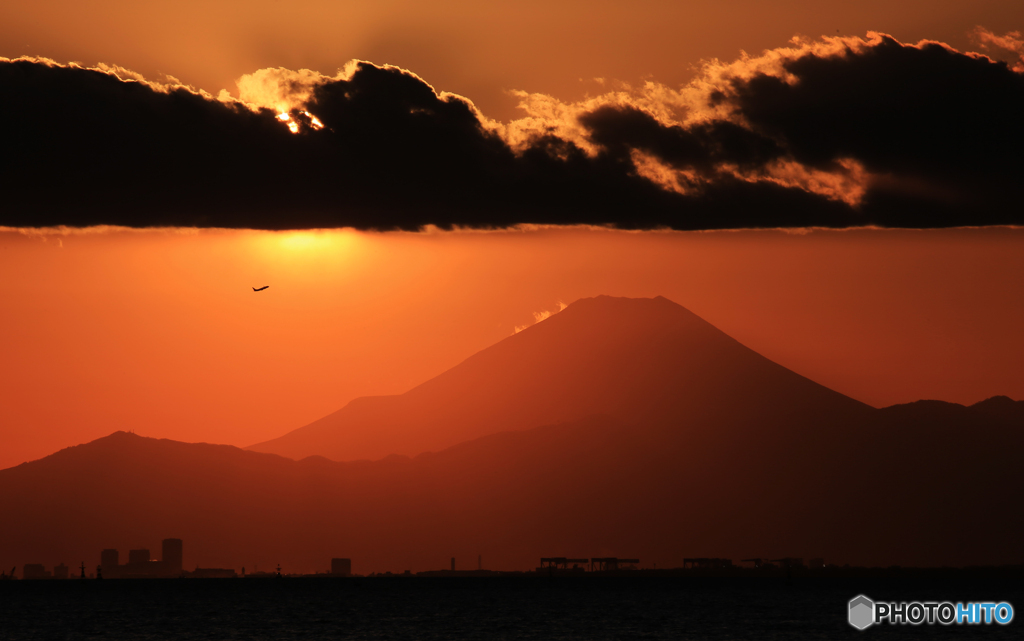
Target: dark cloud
<point>882,133</point>
<point>943,130</point>
<point>702,147</point>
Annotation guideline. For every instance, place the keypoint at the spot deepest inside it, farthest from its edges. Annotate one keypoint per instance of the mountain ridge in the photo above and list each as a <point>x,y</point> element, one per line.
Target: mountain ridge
<point>636,359</point>
<point>594,487</point>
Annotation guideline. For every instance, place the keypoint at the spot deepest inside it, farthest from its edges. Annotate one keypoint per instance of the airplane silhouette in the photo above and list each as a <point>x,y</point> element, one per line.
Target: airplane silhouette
<point>260,289</point>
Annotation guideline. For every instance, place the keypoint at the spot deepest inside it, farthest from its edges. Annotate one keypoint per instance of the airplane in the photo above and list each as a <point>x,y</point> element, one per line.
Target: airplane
<point>260,289</point>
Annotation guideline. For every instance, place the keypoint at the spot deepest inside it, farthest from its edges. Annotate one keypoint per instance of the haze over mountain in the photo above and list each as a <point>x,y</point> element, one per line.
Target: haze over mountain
<point>927,483</point>
<point>634,360</point>
<point>692,445</point>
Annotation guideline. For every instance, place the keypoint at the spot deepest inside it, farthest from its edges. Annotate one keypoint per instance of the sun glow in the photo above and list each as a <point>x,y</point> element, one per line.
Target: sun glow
<point>314,120</point>
<point>306,241</point>
<point>310,243</point>
<point>292,125</point>
<point>304,254</point>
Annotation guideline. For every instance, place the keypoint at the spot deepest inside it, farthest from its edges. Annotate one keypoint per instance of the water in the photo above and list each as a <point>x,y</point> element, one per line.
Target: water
<point>479,608</point>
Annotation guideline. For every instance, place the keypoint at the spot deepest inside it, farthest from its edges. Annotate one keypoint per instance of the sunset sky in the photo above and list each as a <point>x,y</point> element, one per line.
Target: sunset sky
<point>644,116</point>
<point>479,50</point>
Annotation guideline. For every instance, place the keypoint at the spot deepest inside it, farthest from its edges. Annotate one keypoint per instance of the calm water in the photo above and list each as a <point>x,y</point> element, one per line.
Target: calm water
<point>479,608</point>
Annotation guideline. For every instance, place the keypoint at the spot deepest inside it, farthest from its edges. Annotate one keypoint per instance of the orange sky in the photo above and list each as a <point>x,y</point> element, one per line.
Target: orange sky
<point>160,332</point>
<point>477,49</point>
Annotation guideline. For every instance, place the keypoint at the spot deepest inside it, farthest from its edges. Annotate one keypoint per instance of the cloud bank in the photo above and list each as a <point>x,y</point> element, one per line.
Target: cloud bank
<point>834,132</point>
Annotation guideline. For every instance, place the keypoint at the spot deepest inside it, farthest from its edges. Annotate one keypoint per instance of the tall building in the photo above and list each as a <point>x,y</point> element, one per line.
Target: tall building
<point>341,567</point>
<point>172,556</point>
<point>138,556</point>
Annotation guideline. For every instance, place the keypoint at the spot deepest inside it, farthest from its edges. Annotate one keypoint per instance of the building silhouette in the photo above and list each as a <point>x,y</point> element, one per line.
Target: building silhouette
<point>36,571</point>
<point>171,556</point>
<point>341,567</point>
<point>138,556</point>
<point>560,563</point>
<point>140,563</point>
<point>611,564</point>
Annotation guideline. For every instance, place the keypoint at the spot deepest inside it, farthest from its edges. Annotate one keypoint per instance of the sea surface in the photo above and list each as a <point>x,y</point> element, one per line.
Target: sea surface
<point>591,607</point>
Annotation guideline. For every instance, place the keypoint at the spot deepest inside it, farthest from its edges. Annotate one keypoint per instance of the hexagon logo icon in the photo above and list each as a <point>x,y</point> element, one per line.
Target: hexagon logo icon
<point>862,612</point>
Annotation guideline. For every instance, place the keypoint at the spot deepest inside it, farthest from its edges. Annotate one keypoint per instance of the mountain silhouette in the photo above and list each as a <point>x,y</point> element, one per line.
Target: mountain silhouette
<point>618,427</point>
<point>926,483</point>
<point>636,361</point>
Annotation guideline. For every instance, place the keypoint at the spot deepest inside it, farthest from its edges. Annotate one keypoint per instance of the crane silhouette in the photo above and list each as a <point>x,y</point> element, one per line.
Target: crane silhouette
<point>260,289</point>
